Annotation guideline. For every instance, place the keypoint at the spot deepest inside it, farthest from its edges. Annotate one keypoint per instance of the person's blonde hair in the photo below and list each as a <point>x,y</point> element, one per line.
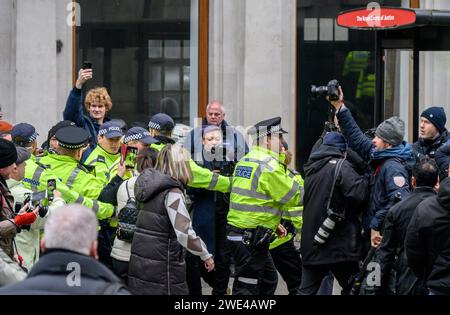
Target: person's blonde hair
<point>173,160</point>
<point>100,95</point>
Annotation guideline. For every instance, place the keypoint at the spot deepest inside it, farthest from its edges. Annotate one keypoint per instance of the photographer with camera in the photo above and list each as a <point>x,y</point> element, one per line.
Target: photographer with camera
<point>27,241</point>
<point>390,162</point>
<point>331,238</point>
<point>210,209</point>
<point>10,223</point>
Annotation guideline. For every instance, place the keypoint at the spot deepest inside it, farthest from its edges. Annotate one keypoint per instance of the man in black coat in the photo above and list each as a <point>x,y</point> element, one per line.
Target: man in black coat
<point>391,254</point>
<point>341,252</point>
<point>69,264</point>
<point>427,243</point>
<point>432,133</point>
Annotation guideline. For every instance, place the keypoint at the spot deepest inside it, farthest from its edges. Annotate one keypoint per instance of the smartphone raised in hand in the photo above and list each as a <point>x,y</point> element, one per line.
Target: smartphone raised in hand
<point>87,65</point>
<point>51,187</point>
<point>130,159</point>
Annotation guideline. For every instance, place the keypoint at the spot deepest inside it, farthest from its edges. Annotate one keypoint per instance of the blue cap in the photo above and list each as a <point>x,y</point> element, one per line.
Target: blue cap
<point>111,129</point>
<point>335,139</point>
<point>161,121</point>
<point>23,134</point>
<point>138,133</point>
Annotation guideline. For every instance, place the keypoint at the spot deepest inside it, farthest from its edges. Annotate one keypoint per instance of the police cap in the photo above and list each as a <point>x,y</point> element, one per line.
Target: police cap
<point>72,137</point>
<point>161,122</point>
<point>58,126</point>
<point>138,133</point>
<point>268,127</point>
<point>111,129</point>
<point>23,134</point>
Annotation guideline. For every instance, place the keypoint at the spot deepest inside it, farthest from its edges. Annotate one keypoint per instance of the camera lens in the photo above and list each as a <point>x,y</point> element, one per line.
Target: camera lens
<point>324,231</point>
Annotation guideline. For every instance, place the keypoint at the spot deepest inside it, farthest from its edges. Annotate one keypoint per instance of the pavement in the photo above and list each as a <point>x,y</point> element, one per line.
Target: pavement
<point>281,287</point>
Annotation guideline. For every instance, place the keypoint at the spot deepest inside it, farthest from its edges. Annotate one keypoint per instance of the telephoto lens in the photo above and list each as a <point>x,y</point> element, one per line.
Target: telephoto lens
<point>327,227</point>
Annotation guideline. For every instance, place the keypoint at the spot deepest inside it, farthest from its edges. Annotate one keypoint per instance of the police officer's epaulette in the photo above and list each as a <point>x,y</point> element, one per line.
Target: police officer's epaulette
<point>86,168</point>
<point>101,159</point>
<point>44,166</point>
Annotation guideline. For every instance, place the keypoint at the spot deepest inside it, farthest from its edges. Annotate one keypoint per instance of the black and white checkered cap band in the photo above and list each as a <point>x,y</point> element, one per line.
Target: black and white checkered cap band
<point>137,136</point>
<point>34,136</point>
<point>71,146</point>
<point>102,132</point>
<point>264,131</point>
<point>153,125</point>
<point>23,141</point>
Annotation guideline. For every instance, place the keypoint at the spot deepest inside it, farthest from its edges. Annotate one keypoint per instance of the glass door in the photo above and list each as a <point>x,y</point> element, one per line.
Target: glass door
<point>434,80</point>
<point>398,87</point>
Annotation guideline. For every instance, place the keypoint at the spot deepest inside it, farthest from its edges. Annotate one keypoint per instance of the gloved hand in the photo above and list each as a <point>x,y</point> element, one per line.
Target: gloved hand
<point>27,218</point>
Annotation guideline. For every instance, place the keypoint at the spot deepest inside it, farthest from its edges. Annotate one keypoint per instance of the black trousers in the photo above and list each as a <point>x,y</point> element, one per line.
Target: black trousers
<point>120,268</point>
<point>287,260</point>
<point>195,270</point>
<point>255,272</point>
<point>219,278</point>
<point>312,276</point>
<point>223,255</point>
<point>105,238</point>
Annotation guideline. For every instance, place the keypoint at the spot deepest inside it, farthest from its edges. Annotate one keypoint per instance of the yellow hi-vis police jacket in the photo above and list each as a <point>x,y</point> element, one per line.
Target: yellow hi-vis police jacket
<point>293,214</point>
<point>74,174</point>
<point>37,175</point>
<point>202,177</point>
<point>261,191</point>
<point>104,164</point>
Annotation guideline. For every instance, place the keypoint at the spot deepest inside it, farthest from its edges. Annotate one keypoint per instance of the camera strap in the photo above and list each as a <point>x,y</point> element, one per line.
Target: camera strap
<point>128,192</point>
<point>337,170</point>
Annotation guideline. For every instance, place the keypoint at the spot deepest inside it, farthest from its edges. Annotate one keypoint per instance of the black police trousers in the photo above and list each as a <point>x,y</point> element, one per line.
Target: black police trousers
<point>219,278</point>
<point>255,272</point>
<point>287,260</point>
<point>312,276</point>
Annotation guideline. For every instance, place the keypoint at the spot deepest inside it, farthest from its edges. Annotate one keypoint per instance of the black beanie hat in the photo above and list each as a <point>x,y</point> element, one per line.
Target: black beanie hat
<point>8,153</point>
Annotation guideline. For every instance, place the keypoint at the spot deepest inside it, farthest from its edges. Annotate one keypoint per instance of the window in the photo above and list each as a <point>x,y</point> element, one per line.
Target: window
<point>141,52</point>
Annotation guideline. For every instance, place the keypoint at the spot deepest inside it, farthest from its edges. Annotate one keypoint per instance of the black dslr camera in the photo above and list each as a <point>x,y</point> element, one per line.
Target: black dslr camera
<point>220,163</point>
<point>331,90</point>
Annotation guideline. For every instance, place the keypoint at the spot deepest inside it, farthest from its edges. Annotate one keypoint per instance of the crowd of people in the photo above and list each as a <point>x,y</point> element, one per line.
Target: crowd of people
<point>128,210</point>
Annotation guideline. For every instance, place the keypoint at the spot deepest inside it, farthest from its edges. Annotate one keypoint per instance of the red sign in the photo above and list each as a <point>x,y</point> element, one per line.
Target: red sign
<point>376,18</point>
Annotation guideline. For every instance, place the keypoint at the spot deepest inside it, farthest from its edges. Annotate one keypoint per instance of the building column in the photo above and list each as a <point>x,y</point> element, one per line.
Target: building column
<point>252,60</point>
<point>7,56</point>
<point>42,75</point>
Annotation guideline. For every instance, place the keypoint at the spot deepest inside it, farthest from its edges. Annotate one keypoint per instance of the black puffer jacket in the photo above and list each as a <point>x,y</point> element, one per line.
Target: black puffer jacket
<point>392,244</point>
<point>427,244</point>
<point>345,243</point>
<point>157,265</point>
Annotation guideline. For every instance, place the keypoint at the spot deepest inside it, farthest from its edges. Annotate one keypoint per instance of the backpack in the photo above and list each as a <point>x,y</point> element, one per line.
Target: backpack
<point>127,219</point>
